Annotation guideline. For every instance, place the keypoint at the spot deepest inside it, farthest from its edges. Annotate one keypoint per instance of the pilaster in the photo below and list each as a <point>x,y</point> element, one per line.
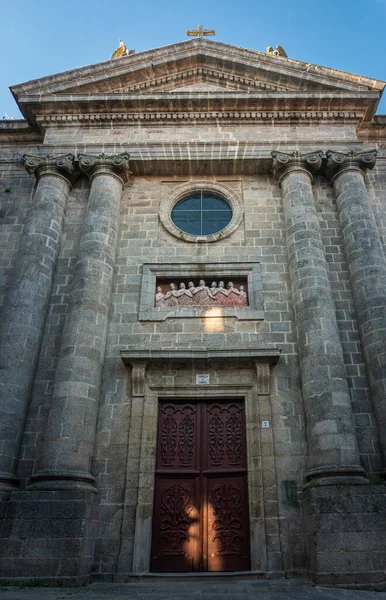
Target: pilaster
<point>135,549</point>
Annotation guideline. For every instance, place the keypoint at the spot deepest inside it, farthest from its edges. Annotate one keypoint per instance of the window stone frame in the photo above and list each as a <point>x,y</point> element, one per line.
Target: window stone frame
<point>183,191</point>
<point>253,312</point>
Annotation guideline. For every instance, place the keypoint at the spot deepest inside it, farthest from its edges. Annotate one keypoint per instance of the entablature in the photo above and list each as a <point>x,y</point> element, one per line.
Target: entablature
<point>175,106</point>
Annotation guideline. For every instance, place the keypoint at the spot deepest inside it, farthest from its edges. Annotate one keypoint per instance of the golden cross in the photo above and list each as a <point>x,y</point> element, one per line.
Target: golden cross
<point>200,31</point>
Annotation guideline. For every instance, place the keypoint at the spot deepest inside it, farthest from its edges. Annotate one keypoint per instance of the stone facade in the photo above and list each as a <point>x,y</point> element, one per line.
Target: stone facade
<point>88,182</point>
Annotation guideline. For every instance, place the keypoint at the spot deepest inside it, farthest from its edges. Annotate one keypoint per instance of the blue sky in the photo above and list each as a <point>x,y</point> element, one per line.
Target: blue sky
<point>42,37</point>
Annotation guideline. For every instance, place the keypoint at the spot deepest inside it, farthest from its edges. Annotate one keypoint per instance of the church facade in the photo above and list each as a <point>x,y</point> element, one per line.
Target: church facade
<point>193,324</point>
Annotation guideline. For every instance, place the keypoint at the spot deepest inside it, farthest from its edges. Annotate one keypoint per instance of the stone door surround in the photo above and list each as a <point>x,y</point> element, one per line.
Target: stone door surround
<point>147,389</point>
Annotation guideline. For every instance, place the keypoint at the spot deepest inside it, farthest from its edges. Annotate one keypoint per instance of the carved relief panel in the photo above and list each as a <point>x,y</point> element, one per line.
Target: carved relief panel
<point>184,290</point>
<point>178,430</point>
<point>226,442</point>
<point>198,293</point>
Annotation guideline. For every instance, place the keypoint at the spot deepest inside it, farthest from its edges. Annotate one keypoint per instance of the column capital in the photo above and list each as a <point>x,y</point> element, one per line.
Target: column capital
<point>285,163</point>
<point>62,165</point>
<point>113,164</point>
<point>341,162</point>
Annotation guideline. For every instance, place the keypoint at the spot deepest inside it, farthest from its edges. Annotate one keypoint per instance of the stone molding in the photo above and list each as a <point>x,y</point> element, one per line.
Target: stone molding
<point>268,355</point>
<point>62,480</point>
<point>92,119</point>
<point>341,162</point>
<point>285,163</point>
<point>353,475</point>
<point>62,165</point>
<point>168,203</point>
<point>113,164</point>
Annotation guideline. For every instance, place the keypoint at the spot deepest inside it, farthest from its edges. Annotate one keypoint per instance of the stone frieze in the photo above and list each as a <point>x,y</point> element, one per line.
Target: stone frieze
<point>201,295</point>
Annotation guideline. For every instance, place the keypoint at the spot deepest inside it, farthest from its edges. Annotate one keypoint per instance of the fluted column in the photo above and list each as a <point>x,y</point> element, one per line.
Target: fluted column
<point>367,268</point>
<point>25,307</point>
<point>332,444</point>
<point>68,445</point>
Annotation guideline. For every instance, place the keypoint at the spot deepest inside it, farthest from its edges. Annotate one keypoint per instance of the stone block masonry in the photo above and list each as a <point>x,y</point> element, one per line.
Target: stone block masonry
<point>50,536</point>
<point>344,539</point>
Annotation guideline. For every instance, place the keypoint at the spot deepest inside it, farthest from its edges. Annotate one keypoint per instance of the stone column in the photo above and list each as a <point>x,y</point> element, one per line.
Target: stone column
<point>24,312</point>
<point>69,438</point>
<point>332,445</point>
<point>367,268</point>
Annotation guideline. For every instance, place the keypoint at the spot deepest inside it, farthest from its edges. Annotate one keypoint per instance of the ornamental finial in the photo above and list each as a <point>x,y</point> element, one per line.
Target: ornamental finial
<point>200,32</point>
<point>278,52</point>
<point>121,51</point>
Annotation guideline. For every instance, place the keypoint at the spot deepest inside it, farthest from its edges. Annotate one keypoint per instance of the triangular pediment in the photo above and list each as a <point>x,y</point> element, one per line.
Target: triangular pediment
<point>196,71</point>
<point>201,79</point>
<point>198,59</point>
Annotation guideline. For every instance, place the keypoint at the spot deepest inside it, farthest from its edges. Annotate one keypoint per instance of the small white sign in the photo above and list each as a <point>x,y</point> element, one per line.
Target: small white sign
<point>202,379</point>
<point>265,424</point>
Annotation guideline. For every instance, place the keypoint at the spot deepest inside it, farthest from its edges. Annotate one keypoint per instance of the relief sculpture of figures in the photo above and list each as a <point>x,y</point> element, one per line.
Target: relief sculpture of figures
<point>171,296</point>
<point>201,295</point>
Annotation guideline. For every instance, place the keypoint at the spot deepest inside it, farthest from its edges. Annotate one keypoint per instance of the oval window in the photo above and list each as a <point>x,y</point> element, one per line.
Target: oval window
<point>201,213</point>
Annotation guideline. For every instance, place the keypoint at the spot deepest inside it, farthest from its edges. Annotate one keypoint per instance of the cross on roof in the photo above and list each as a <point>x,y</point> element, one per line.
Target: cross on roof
<point>200,31</point>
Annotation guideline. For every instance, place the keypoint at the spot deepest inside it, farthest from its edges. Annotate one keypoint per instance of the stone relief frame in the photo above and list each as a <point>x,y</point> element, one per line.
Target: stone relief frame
<point>255,310</point>
<point>256,394</point>
<point>168,203</point>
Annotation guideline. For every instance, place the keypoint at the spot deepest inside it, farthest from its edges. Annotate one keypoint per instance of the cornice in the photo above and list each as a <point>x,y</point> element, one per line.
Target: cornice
<point>270,355</point>
<point>95,120</point>
<point>203,96</point>
<point>219,103</point>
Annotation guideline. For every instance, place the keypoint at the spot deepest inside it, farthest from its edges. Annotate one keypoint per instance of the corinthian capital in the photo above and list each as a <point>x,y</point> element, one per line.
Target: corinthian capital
<point>284,163</point>
<point>339,162</point>
<point>39,165</point>
<point>117,164</point>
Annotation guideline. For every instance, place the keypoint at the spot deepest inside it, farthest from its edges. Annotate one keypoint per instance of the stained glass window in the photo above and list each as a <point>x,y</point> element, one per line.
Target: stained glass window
<point>202,213</point>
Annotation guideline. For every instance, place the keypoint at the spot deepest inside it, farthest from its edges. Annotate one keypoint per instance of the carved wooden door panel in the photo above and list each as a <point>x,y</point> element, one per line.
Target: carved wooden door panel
<point>200,520</point>
<point>176,519</point>
<point>226,543</point>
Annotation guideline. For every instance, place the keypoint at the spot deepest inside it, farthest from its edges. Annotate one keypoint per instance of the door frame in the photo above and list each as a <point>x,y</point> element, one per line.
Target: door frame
<point>143,440</point>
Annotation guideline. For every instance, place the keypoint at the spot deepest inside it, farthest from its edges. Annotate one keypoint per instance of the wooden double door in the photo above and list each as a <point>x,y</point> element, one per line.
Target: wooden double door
<point>200,519</point>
